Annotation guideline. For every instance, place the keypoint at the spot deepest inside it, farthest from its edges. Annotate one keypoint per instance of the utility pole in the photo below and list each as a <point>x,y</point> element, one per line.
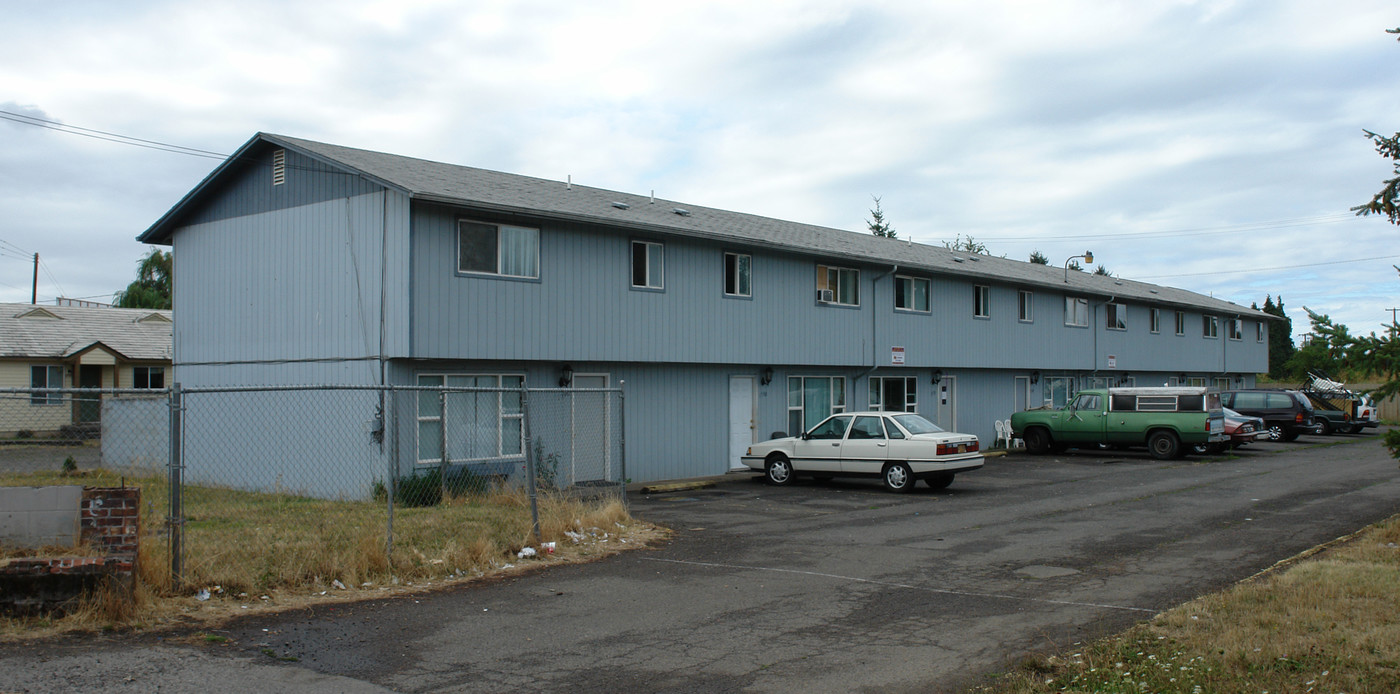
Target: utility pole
<point>1393,325</point>
<point>34,296</point>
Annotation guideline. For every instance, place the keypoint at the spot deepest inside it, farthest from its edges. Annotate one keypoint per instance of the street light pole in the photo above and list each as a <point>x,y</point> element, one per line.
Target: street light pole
<point>1088,258</point>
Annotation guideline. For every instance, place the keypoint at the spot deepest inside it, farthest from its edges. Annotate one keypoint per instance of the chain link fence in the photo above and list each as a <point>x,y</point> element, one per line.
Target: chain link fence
<point>254,486</point>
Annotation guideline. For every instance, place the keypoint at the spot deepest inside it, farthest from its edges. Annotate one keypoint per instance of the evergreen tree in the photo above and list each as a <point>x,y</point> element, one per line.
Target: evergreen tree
<point>1101,270</point>
<point>877,223</point>
<point>1281,346</point>
<point>1387,201</point>
<point>1039,258</point>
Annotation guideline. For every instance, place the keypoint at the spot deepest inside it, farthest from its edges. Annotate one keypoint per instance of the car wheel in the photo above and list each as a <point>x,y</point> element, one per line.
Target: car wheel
<point>1164,445</point>
<point>1276,432</point>
<point>898,477</point>
<point>939,480</point>
<point>1324,427</point>
<point>778,471</point>
<point>1289,434</point>
<point>1038,441</point>
<point>1354,429</point>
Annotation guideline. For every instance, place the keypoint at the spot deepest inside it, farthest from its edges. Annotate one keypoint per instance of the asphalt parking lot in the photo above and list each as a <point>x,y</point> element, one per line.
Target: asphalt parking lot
<point>837,586</point>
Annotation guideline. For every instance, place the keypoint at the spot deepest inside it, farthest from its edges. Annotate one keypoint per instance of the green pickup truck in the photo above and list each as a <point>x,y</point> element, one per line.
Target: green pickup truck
<point>1166,420</point>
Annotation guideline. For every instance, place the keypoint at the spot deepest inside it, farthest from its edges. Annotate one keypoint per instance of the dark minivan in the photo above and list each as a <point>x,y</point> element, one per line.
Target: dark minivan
<point>1286,413</point>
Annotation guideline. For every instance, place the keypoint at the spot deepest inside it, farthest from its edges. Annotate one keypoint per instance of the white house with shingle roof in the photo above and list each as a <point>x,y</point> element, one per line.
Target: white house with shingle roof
<point>77,347</point>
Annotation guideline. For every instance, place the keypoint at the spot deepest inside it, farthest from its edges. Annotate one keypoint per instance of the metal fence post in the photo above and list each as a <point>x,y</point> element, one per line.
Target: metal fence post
<point>530,464</point>
<point>442,464</point>
<point>176,521</point>
<point>391,476</point>
<point>622,442</point>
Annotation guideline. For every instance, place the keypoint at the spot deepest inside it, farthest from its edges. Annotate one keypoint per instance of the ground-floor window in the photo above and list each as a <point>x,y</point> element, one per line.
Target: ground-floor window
<point>148,377</point>
<point>1196,381</point>
<point>1222,383</point>
<point>812,399</point>
<point>1057,390</point>
<point>894,394</point>
<point>46,377</point>
<point>475,425</point>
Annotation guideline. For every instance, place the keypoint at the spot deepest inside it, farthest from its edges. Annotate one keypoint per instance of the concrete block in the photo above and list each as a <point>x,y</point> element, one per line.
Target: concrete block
<point>39,516</point>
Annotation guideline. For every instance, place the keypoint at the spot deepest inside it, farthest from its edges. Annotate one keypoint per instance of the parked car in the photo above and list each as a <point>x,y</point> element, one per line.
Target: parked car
<point>1169,421</point>
<point>1330,415</point>
<point>1342,409</point>
<point>1242,430</point>
<point>1286,413</point>
<point>1368,415</point>
<point>898,447</point>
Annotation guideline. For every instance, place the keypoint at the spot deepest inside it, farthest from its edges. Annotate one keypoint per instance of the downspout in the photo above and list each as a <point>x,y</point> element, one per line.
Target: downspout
<point>874,350</point>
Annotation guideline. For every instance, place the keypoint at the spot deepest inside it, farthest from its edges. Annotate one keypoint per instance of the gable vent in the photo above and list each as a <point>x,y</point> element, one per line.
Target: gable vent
<point>279,167</point>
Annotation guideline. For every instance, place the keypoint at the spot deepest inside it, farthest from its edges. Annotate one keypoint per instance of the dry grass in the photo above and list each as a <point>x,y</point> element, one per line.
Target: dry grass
<point>258,551</point>
<point>1326,624</point>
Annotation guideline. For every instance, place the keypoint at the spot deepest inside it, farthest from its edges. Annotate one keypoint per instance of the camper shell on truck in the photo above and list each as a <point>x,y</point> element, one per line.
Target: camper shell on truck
<point>1169,421</point>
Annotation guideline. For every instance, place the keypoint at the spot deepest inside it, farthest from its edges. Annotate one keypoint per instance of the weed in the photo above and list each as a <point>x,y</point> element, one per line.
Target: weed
<point>70,466</point>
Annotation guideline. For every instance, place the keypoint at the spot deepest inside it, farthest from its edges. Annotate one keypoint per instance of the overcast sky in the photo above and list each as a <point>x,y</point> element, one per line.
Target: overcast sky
<point>1213,145</point>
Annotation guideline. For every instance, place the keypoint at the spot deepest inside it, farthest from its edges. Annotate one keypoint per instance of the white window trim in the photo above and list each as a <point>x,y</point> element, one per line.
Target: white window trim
<point>911,394</point>
<point>801,407</point>
<point>1210,327</point>
<point>500,248</point>
<point>1070,314</point>
<point>737,293</point>
<point>500,418</point>
<point>1259,331</point>
<point>1155,321</point>
<point>1235,329</point>
<point>914,284</point>
<point>46,399</point>
<point>981,299</point>
<point>1118,313</point>
<point>822,269</point>
<point>656,277</point>
<point>1181,323</point>
<point>1025,308</point>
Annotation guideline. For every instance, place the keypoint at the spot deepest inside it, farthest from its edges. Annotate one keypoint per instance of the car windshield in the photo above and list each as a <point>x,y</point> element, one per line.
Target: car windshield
<point>915,424</point>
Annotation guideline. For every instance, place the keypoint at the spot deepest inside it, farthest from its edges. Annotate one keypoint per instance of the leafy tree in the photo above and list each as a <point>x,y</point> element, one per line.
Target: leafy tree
<point>1387,201</point>
<point>877,223</point>
<point>1281,346</point>
<point>1039,258</point>
<point>153,286</point>
<point>967,245</point>
<point>1101,270</point>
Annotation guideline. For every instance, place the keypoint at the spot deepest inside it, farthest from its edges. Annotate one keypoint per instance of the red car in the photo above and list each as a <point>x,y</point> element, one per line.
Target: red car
<point>1241,429</point>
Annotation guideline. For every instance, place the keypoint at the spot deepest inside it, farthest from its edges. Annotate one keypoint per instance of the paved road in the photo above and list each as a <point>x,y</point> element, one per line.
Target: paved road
<point>812,588</point>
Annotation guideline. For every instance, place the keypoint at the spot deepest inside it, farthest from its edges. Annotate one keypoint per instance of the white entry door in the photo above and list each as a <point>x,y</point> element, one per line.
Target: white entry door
<point>742,424</point>
<point>947,393</point>
<point>1023,393</point>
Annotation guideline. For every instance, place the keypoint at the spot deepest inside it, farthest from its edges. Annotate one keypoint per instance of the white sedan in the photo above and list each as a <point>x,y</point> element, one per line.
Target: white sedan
<point>897,447</point>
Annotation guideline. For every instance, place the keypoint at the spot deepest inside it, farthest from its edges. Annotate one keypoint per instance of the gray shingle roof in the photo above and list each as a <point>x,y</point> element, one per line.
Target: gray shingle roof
<point>493,190</point>
<point>26,332</point>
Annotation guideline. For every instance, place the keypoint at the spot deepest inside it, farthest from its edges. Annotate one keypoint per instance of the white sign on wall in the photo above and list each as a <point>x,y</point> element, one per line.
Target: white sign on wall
<point>897,356</point>
<point>1112,361</point>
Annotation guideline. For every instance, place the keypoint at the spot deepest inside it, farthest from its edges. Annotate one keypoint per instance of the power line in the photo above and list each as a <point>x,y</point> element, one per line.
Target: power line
<point>1197,231</point>
<point>107,136</point>
<point>1241,271</point>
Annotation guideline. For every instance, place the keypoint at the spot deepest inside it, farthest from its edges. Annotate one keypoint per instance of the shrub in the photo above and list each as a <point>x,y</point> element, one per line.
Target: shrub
<point>427,488</point>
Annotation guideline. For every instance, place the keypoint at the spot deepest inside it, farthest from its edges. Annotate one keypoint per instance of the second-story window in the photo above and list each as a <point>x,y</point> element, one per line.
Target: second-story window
<point>737,268</point>
<point>498,249</point>
<point>838,285</point>
<point>1027,307</point>
<point>1154,320</point>
<point>1236,328</point>
<point>981,301</point>
<point>1116,316</point>
<point>1076,311</point>
<point>910,293</point>
<point>1210,327</point>
<point>1180,322</point>
<point>1259,331</point>
<point>648,265</point>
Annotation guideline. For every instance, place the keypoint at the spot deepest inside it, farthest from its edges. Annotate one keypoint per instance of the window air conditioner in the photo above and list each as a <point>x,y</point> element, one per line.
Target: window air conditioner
<point>824,295</point>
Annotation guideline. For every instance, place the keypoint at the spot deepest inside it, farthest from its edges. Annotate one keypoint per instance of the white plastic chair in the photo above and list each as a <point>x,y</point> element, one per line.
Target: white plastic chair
<point>1002,435</point>
<point>1012,441</point>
